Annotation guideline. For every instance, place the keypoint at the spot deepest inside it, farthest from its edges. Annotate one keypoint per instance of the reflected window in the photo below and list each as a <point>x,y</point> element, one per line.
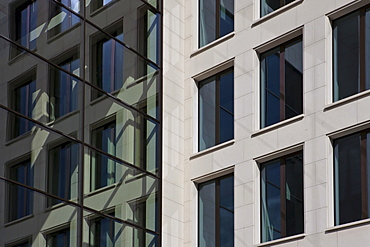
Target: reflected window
<point>268,6</point>
<point>281,83</point>
<point>62,19</point>
<point>64,88</point>
<point>62,172</point>
<point>216,19</point>
<point>351,54</point>
<point>352,177</point>
<point>23,101</point>
<point>216,109</point>
<point>97,4</point>
<point>103,167</point>
<point>59,238</point>
<point>282,197</point>
<point>20,198</point>
<point>216,212</point>
<point>26,24</point>
<point>108,60</point>
<point>21,243</point>
<point>102,232</point>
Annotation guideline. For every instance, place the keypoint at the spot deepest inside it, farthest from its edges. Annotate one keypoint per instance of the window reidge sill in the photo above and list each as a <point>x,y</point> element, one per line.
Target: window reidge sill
<point>100,190</point>
<point>20,137</point>
<point>348,225</point>
<point>18,220</point>
<point>213,44</point>
<point>276,12</point>
<point>278,125</point>
<point>347,100</point>
<point>212,149</point>
<point>282,240</point>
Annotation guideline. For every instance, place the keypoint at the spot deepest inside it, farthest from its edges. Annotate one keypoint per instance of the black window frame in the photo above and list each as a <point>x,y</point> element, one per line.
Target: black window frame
<point>282,188</point>
<point>282,83</point>
<point>217,107</point>
<point>218,232</point>
<point>66,231</point>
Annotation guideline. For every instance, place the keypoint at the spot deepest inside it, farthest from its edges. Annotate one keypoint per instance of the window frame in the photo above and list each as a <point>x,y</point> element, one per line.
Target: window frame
<point>216,181</point>
<point>21,242</point>
<point>361,52</point>
<point>92,226</point>
<point>281,5</point>
<point>282,201</point>
<point>55,8</point>
<point>62,229</point>
<point>282,116</point>
<point>217,78</point>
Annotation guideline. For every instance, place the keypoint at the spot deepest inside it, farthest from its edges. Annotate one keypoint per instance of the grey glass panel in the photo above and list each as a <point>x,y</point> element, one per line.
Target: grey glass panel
<point>347,170</point>
<point>207,214</point>
<point>227,193</point>
<point>293,79</point>
<point>346,56</point>
<point>270,88</point>
<point>226,126</point>
<point>226,17</point>
<point>294,195</point>
<point>227,91</point>
<point>271,219</point>
<point>207,114</point>
<point>226,228</point>
<point>59,239</point>
<point>367,48</point>
<point>207,21</point>
<point>368,170</point>
<point>102,232</point>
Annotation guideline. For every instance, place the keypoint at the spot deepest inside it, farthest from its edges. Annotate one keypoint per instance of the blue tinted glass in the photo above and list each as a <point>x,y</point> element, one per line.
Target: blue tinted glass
<point>367,49</point>
<point>226,126</point>
<point>227,91</point>
<point>272,111</point>
<point>226,228</point>
<point>207,22</point>
<point>106,67</point>
<point>226,17</point>
<point>227,193</point>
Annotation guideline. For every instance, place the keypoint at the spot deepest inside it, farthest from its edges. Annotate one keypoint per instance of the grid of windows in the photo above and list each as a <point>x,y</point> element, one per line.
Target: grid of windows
<point>282,197</point>
<point>281,83</point>
<point>216,109</point>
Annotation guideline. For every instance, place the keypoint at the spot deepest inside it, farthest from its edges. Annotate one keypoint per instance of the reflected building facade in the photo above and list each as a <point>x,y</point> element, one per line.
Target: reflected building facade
<point>80,111</point>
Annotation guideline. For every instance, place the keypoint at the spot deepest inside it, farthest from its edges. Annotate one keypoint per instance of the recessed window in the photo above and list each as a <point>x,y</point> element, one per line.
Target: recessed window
<point>282,197</point>
<point>216,19</point>
<point>62,172</point>
<point>64,88</point>
<point>351,54</point>
<point>268,6</point>
<point>62,19</point>
<point>20,199</point>
<point>23,101</point>
<point>97,4</point>
<point>103,167</point>
<point>102,232</point>
<point>59,238</point>
<point>108,60</point>
<point>25,22</point>
<point>281,83</point>
<point>21,243</point>
<point>216,212</point>
<point>351,182</point>
<point>216,109</point>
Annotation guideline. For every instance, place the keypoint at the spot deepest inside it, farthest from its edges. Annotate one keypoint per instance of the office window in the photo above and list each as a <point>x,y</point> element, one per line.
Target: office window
<point>108,61</point>
<point>20,198</point>
<point>216,19</point>
<point>103,168</point>
<point>21,243</point>
<point>268,6</point>
<point>281,83</point>
<point>61,19</point>
<point>351,54</point>
<point>216,109</point>
<point>62,172</point>
<point>102,233</point>
<point>216,212</point>
<point>25,21</point>
<point>97,4</point>
<point>23,101</point>
<point>59,238</point>
<point>351,177</point>
<point>64,88</point>
<point>282,197</point>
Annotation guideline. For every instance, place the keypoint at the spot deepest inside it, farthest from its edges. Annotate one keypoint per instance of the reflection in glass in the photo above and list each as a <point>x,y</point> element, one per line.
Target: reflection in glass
<point>102,232</point>
<point>268,6</point>
<point>59,238</point>
<point>62,19</point>
<point>26,23</point>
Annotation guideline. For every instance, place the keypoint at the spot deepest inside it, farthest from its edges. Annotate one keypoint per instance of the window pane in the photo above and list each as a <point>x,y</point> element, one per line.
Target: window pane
<point>268,6</point>
<point>226,228</point>
<point>293,79</point>
<point>207,113</point>
<point>294,195</point>
<point>347,168</point>
<point>207,209</point>
<point>227,193</point>
<point>226,17</point>
<point>207,22</point>
<point>367,48</point>
<point>227,91</point>
<point>346,56</point>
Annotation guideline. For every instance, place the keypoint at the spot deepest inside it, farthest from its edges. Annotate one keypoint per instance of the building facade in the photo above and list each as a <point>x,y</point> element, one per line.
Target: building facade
<point>184,123</point>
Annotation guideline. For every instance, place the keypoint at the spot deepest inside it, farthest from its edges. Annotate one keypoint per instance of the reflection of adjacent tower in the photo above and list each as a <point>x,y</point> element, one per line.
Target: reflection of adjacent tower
<point>80,121</point>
